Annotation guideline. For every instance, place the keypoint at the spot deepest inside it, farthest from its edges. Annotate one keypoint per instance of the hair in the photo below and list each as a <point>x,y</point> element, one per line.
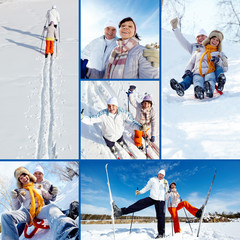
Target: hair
<point>126,20</point>
<point>146,101</point>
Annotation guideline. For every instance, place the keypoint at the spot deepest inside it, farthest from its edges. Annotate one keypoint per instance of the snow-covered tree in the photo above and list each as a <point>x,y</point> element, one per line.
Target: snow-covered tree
<point>5,199</point>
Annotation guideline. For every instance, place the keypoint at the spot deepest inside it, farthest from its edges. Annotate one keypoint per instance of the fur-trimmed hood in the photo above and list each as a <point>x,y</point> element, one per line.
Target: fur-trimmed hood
<point>214,33</point>
<point>19,171</point>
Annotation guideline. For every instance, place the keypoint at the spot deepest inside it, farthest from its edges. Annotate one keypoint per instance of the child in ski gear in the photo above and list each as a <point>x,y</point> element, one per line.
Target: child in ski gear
<point>158,187</point>
<point>31,197</point>
<point>51,36</point>
<point>126,59</point>
<point>200,36</point>
<point>202,65</point>
<point>53,16</point>
<point>175,204</point>
<point>145,115</point>
<point>112,119</point>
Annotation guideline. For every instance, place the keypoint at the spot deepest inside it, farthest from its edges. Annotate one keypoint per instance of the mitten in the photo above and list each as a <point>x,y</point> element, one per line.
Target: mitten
<point>152,139</point>
<point>152,55</point>
<point>174,23</point>
<point>137,192</point>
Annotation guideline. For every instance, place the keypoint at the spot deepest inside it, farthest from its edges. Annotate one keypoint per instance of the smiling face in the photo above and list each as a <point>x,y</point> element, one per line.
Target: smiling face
<point>24,179</point>
<point>39,176</point>
<point>214,41</point>
<point>127,30</point>
<point>112,108</point>
<point>200,38</point>
<point>146,104</point>
<point>160,176</point>
<point>110,32</point>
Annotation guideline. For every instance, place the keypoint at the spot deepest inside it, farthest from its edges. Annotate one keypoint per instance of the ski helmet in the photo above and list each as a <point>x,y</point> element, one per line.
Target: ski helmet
<point>147,98</point>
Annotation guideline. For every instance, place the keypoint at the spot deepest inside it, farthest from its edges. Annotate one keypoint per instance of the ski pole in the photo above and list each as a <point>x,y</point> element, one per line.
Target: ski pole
<point>188,220</point>
<point>59,31</point>
<point>132,219</point>
<point>171,212</point>
<point>145,137</point>
<point>56,49</point>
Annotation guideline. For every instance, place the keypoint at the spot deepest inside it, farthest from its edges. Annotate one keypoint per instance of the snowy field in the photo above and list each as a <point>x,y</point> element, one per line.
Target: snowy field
<point>94,96</point>
<point>210,231</point>
<point>199,129</point>
<point>38,98</point>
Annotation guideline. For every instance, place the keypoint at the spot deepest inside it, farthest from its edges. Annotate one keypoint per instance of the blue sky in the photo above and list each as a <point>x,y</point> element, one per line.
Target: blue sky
<point>193,180</point>
<point>94,13</point>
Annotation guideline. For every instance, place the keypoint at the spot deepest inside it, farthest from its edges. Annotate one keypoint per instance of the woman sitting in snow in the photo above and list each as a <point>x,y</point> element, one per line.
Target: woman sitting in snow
<point>174,204</point>
<point>31,198</point>
<point>145,115</point>
<point>126,59</point>
<point>202,66</point>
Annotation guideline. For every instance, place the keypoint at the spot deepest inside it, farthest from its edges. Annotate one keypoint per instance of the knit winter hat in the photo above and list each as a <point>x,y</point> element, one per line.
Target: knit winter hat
<point>147,98</point>
<point>39,169</point>
<point>22,170</point>
<point>162,171</point>
<point>113,101</point>
<point>110,23</point>
<point>217,34</point>
<point>200,32</point>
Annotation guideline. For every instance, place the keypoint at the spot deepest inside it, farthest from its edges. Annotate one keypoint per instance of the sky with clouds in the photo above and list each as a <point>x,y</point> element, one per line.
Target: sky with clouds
<point>94,13</point>
<point>193,180</point>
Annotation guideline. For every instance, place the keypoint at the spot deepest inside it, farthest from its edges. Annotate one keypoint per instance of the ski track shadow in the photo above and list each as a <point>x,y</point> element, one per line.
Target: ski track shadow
<point>37,49</point>
<point>22,32</point>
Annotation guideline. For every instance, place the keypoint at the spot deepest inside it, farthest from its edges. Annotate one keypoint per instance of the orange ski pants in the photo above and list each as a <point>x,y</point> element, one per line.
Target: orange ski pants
<point>138,137</point>
<point>49,47</point>
<point>173,212</point>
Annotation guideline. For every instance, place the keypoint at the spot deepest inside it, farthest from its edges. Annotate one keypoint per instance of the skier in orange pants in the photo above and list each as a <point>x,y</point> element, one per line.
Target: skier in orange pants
<point>174,205</point>
<point>51,36</point>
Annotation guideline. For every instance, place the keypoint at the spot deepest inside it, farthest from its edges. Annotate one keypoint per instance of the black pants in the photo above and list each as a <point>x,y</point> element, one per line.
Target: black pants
<point>147,202</point>
<point>111,144</point>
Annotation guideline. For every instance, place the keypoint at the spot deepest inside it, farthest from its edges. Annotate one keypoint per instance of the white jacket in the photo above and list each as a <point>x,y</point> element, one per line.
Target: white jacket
<point>158,188</point>
<point>53,15</point>
<point>173,199</point>
<point>97,52</point>
<point>112,125</point>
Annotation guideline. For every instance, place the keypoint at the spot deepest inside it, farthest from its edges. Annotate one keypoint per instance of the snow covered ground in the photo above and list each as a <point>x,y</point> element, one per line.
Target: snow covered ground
<point>210,231</point>
<point>94,96</point>
<point>195,129</point>
<point>38,99</point>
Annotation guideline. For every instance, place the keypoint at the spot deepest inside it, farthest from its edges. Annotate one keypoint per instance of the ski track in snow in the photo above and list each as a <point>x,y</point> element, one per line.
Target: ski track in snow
<point>46,148</point>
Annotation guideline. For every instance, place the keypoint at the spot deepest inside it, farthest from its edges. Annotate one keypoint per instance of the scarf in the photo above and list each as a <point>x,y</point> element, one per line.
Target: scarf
<point>33,212</point>
<point>211,66</point>
<point>145,116</point>
<point>118,58</point>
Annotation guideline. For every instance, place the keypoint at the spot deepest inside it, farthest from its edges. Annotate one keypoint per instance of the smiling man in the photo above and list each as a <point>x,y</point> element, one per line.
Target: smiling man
<point>112,119</point>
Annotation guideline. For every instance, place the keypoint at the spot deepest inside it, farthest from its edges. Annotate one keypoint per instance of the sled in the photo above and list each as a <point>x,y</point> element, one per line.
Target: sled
<point>38,224</point>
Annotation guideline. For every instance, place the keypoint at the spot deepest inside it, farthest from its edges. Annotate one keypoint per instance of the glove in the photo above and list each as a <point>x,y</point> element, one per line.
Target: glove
<point>82,116</point>
<point>169,190</point>
<point>143,128</point>
<point>187,73</point>
<point>152,55</point>
<point>215,59</point>
<point>14,194</point>
<point>84,68</point>
<point>225,61</point>
<point>131,89</point>
<point>152,139</point>
<point>137,192</point>
<point>174,23</point>
<point>53,190</point>
<point>56,40</point>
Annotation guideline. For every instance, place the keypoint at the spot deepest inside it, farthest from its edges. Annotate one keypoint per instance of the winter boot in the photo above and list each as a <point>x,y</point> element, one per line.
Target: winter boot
<point>199,213</point>
<point>221,81</point>
<point>123,143</point>
<point>199,93</point>
<point>113,149</point>
<point>73,210</point>
<point>177,87</point>
<point>46,55</point>
<point>159,236</point>
<point>140,147</point>
<point>117,211</point>
<point>208,89</point>
<point>73,235</point>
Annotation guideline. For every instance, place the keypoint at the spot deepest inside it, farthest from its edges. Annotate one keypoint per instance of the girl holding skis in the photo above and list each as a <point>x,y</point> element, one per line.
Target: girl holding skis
<point>175,204</point>
<point>31,197</point>
<point>145,115</point>
<point>51,36</point>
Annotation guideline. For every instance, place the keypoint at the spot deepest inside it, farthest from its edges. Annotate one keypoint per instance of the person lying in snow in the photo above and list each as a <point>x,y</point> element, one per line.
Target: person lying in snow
<point>112,119</point>
<point>145,115</point>
<point>31,197</point>
<point>200,36</point>
<point>174,205</point>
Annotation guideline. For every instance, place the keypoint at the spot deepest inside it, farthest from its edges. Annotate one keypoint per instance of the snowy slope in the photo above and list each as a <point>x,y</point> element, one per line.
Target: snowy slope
<point>94,96</point>
<point>210,231</point>
<point>38,100</point>
<point>195,129</point>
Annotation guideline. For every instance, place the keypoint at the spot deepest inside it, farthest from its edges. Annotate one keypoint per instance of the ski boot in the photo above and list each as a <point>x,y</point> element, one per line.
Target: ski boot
<point>208,89</point>
<point>221,81</point>
<point>123,144</point>
<point>113,149</point>
<point>199,93</point>
<point>199,213</point>
<point>140,147</point>
<point>74,234</point>
<point>117,211</point>
<point>46,55</point>
<point>159,236</point>
<point>177,87</point>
